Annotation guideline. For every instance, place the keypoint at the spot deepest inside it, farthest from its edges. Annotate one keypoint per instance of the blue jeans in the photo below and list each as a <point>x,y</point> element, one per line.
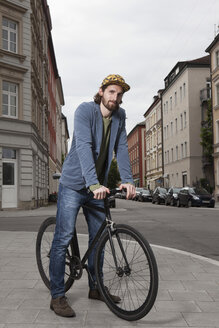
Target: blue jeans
<point>69,203</point>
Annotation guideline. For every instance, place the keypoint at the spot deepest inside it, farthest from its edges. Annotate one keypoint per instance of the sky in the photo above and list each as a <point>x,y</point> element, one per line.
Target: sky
<point>141,40</point>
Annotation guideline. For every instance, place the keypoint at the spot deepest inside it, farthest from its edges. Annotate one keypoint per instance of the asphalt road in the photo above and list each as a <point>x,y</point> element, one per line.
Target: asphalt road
<point>190,229</point>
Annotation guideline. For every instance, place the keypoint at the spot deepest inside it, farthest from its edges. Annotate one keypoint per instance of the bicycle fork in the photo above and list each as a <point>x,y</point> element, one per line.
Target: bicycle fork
<point>119,270</point>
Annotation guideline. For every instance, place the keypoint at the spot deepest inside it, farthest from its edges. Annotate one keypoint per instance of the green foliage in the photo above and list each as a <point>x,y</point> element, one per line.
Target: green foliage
<point>207,135</point>
<point>114,176</point>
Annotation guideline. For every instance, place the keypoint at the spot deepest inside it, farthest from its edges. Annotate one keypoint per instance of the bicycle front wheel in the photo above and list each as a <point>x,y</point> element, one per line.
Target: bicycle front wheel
<point>134,280</point>
<point>43,248</point>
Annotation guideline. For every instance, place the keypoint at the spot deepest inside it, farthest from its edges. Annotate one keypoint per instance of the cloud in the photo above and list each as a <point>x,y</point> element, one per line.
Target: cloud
<point>141,40</point>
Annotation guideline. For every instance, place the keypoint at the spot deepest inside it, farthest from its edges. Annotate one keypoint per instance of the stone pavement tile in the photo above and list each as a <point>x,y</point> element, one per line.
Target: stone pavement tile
<point>10,304</point>
<point>201,285</point>
<point>177,276</point>
<point>28,293</point>
<point>190,296</point>
<point>48,316</point>
<point>162,319</point>
<point>171,285</point>
<point>17,283</point>
<point>106,319</point>
<point>192,267</point>
<point>163,295</point>
<point>18,268</point>
<point>214,294</point>
<point>204,319</point>
<point>208,306</point>
<point>6,275</point>
<point>32,275</point>
<point>207,276</point>
<point>210,268</point>
<point>28,325</point>
<point>34,304</point>
<point>163,268</point>
<point>6,292</point>
<point>177,306</point>
<point>18,316</point>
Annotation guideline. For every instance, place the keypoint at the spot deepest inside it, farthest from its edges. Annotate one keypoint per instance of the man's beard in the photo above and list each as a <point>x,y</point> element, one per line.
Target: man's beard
<point>110,105</point>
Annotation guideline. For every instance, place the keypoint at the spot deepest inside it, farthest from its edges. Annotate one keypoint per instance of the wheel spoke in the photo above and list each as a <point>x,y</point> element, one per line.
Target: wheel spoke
<point>135,281</point>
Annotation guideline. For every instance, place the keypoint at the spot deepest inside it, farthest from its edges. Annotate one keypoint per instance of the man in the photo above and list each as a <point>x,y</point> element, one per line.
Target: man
<point>99,129</point>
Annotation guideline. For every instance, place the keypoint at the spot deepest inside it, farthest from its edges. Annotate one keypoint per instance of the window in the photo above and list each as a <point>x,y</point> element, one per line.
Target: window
<point>176,124</point>
<point>9,153</point>
<point>9,35</point>
<point>185,149</point>
<point>167,106</point>
<point>171,129</point>
<point>184,179</point>
<point>167,131</point>
<point>172,154</point>
<point>182,155</point>
<point>9,99</point>
<point>184,90</point>
<point>181,121</point>
<point>185,122</point>
<point>217,94</point>
<point>217,58</point>
<point>164,108</point>
<point>168,156</point>
<point>217,131</point>
<point>180,92</point>
<point>175,98</point>
<point>176,153</point>
<point>171,103</point>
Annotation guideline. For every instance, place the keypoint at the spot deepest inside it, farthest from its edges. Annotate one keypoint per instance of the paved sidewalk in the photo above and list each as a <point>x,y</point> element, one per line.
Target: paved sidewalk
<point>188,291</point>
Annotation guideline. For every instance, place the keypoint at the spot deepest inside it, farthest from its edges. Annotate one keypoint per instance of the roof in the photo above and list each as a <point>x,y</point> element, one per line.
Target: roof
<point>154,103</point>
<point>216,39</point>
<point>180,66</point>
<point>135,127</point>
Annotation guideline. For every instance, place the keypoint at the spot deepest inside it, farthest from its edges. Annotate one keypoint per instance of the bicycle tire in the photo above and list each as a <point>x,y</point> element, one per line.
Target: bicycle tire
<point>43,246</point>
<point>137,297</point>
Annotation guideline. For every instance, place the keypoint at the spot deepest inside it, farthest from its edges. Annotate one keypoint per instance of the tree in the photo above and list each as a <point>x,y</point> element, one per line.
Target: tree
<point>207,135</point>
<point>114,176</point>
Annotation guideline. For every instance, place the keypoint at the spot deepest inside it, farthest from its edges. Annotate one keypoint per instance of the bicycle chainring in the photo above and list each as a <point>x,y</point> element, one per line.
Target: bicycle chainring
<point>76,268</point>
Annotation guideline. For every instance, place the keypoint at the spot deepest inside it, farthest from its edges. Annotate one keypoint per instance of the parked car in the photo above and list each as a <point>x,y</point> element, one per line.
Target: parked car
<point>195,196</point>
<point>172,196</point>
<point>159,195</point>
<point>138,190</point>
<point>145,196</point>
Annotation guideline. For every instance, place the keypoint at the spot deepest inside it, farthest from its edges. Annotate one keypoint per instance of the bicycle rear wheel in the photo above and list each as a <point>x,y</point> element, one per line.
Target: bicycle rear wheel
<point>135,281</point>
<point>43,247</point>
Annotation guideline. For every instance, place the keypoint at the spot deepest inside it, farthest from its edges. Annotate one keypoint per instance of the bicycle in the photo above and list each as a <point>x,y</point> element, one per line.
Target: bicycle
<point>129,270</point>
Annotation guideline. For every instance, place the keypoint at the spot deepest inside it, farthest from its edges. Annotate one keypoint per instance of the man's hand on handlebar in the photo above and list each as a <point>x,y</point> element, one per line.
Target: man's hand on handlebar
<point>101,192</point>
<point>130,190</point>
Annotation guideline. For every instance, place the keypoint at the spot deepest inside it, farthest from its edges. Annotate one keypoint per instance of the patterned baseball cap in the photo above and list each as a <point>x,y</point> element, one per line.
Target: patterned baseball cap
<point>115,79</point>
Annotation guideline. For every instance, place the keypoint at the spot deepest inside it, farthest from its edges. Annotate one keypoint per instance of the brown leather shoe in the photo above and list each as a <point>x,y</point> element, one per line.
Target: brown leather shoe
<point>95,295</point>
<point>61,307</point>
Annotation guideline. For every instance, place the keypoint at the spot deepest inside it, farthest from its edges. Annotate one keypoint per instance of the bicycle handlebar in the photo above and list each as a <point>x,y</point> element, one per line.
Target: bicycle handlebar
<point>116,191</point>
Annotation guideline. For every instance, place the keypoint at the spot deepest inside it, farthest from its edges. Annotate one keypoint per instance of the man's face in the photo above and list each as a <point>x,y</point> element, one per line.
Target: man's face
<point>111,97</point>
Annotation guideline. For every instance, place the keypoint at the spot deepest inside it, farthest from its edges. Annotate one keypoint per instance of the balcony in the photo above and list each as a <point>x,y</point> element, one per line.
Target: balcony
<point>205,94</point>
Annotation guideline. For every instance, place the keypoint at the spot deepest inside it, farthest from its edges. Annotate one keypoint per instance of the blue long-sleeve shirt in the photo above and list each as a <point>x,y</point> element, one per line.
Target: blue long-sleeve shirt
<point>79,169</point>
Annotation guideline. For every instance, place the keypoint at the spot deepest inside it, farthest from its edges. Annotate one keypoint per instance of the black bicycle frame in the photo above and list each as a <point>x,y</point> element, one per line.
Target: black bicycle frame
<point>106,223</point>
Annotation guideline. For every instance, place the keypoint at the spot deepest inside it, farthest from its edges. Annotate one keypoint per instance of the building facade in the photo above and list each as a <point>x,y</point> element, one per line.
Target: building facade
<point>154,154</point>
<point>137,153</point>
<point>24,111</point>
<point>213,49</point>
<point>181,111</point>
